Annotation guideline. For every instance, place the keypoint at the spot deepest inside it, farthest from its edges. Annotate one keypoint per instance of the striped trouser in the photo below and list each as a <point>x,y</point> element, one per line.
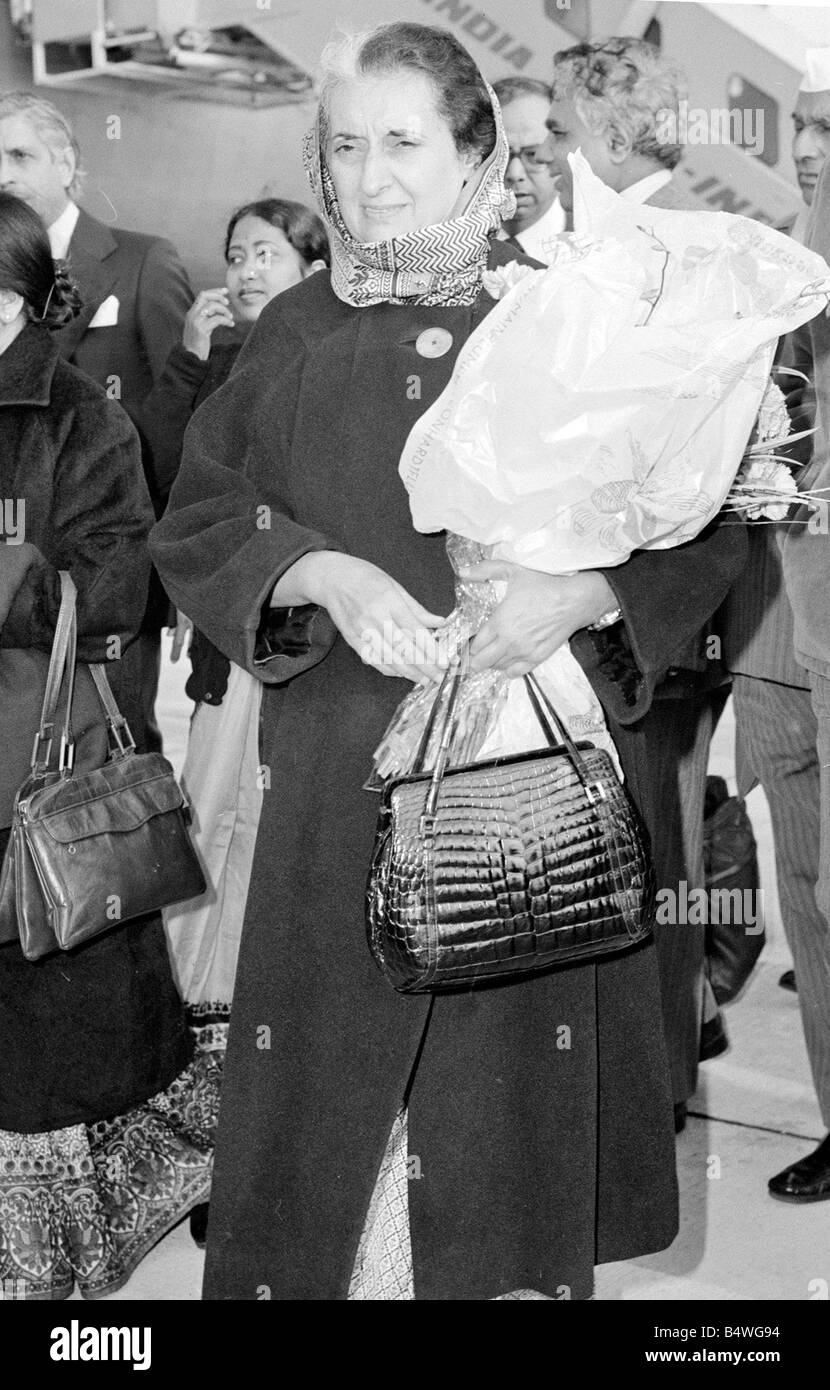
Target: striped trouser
<point>778,743</point>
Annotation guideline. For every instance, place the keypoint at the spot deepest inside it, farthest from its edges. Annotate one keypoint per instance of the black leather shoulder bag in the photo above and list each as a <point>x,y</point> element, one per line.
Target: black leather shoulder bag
<point>88,852</point>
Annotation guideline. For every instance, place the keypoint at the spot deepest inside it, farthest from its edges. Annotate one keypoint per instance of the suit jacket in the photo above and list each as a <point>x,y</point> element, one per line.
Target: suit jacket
<point>695,668</point>
<point>127,358</point>
<point>806,548</point>
<point>756,620</point>
<point>673,195</point>
<point>154,294</point>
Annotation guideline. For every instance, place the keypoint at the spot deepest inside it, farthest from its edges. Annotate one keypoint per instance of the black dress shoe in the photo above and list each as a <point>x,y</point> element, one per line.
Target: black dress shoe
<point>787,981</point>
<point>713,1038</point>
<point>680,1117</point>
<point>199,1224</point>
<point>806,1181</point>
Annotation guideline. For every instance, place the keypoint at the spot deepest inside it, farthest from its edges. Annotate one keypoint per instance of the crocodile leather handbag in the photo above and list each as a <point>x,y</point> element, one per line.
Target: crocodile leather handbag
<point>495,870</point>
<point>89,851</point>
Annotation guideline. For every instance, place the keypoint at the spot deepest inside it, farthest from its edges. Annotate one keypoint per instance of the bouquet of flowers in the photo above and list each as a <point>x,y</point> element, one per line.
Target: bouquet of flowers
<point>603,406</point>
<point>766,487</point>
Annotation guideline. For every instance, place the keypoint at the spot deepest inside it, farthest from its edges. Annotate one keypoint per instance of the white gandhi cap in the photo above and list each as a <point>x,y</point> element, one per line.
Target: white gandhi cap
<point>817,76</point>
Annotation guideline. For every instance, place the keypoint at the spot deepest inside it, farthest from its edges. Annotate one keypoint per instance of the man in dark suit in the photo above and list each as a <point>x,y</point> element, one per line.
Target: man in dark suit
<point>135,293</point>
<point>611,100</point>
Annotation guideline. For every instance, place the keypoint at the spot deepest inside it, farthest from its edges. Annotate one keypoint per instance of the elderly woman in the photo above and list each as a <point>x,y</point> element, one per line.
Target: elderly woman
<point>374,1145</point>
<point>106,1117</point>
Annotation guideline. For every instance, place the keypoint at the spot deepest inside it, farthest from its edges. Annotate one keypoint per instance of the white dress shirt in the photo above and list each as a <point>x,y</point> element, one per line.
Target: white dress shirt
<point>60,231</point>
<point>535,240</point>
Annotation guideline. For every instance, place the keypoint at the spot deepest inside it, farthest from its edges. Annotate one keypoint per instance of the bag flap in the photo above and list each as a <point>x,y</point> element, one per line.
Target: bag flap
<point>114,799</point>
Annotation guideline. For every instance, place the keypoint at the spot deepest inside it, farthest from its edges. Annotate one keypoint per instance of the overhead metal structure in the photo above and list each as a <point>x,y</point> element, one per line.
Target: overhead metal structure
<point>205,48</point>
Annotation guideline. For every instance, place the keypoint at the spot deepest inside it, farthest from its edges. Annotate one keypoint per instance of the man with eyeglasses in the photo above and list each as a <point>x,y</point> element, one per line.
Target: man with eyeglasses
<point>539,214</point>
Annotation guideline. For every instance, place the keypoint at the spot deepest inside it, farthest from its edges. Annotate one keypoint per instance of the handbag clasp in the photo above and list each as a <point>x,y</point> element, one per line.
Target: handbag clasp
<point>44,735</point>
<point>66,759</point>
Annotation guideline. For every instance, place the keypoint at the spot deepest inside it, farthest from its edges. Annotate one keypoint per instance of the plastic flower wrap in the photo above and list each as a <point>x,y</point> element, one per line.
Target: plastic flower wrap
<point>605,403</point>
<point>482,695</point>
<point>603,406</point>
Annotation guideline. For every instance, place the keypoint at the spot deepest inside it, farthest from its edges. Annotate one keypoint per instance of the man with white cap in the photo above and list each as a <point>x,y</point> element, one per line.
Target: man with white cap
<point>804,767</point>
<point>811,129</point>
<point>775,725</point>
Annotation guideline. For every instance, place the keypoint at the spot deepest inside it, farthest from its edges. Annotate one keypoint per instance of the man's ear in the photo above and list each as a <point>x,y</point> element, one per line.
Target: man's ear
<point>309,267</point>
<point>65,160</point>
<point>619,145</point>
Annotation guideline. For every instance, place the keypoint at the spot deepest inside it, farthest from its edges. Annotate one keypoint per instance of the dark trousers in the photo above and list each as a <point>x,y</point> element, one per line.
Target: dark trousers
<point>664,758</point>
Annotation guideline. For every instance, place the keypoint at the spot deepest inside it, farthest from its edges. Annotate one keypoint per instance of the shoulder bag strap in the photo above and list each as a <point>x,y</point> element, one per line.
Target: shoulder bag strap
<point>117,724</point>
<point>62,659</point>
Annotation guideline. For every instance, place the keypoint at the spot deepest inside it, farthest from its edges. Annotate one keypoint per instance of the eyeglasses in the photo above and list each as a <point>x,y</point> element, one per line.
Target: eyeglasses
<point>528,155</point>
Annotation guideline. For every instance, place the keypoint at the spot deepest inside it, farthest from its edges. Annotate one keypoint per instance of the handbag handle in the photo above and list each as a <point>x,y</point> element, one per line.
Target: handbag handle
<point>116,723</point>
<point>63,660</point>
<point>64,646</point>
<point>550,721</point>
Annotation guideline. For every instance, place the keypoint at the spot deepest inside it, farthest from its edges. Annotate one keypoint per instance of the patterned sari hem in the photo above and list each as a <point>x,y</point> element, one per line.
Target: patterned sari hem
<point>82,1206</point>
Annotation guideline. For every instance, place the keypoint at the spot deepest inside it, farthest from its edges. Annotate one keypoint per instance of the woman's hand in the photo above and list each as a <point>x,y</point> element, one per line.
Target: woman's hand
<point>383,623</point>
<point>208,310</point>
<point>537,614</point>
<point>182,634</point>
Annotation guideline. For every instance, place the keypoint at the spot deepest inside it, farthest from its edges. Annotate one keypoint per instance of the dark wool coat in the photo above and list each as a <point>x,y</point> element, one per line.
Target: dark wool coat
<point>88,1033</point>
<point>540,1113</point>
<point>71,459</point>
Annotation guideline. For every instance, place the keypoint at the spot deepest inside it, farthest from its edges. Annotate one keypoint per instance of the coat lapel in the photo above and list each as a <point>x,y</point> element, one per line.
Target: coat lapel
<point>89,250</point>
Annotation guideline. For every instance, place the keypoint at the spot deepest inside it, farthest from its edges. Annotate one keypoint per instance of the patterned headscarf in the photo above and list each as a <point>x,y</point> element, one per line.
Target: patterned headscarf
<point>439,264</point>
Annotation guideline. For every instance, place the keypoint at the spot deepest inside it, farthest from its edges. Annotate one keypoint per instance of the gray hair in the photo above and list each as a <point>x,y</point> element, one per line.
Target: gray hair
<point>624,85</point>
<point>461,92</point>
<point>51,125</point>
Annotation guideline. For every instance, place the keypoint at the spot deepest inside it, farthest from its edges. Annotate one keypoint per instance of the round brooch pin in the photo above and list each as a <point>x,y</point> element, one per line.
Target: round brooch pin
<point>433,342</point>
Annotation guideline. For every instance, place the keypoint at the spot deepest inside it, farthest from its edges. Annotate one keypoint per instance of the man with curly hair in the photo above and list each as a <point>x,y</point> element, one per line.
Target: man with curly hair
<point>619,103</point>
